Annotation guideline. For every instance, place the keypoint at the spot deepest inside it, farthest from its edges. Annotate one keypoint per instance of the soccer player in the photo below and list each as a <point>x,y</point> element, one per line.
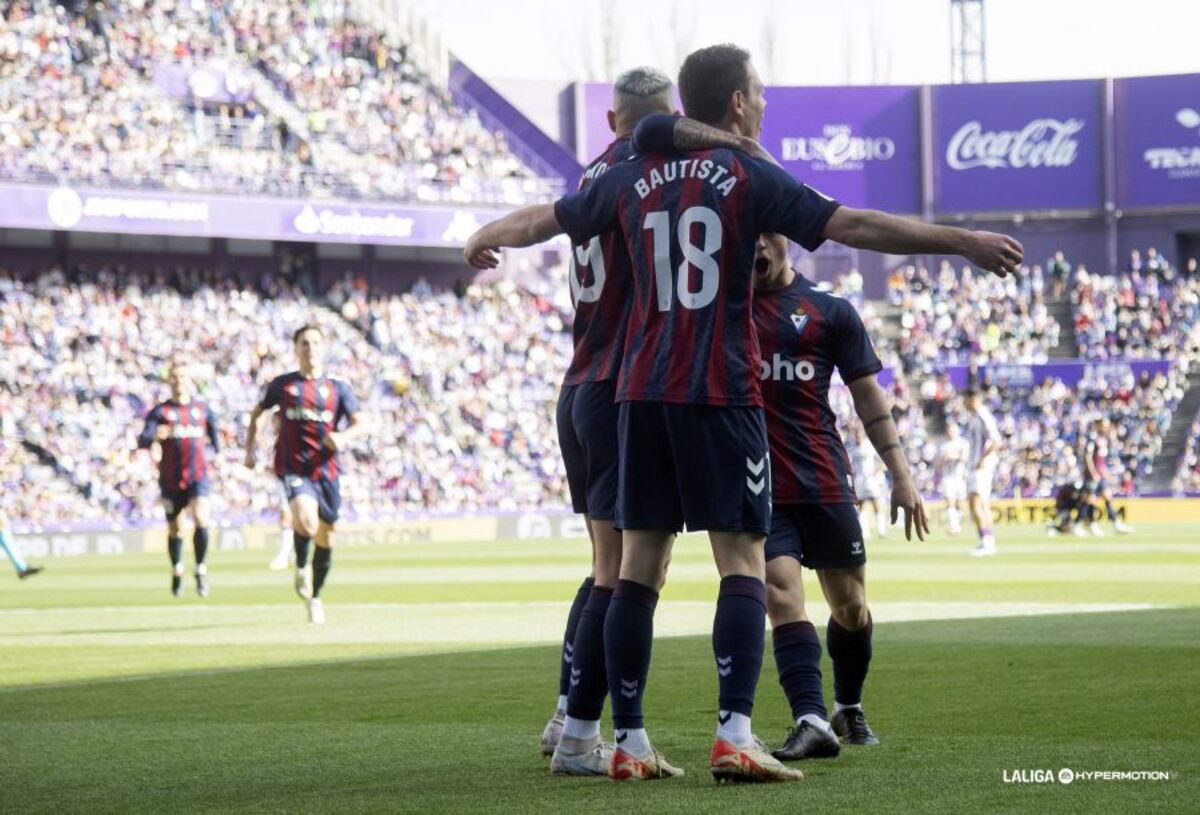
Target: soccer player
<point>951,468</point>
<point>805,334</point>
<point>23,569</point>
<point>983,443</point>
<point>601,287</point>
<point>1095,467</point>
<point>693,440</point>
<point>869,485</point>
<point>180,426</point>
<point>312,408</point>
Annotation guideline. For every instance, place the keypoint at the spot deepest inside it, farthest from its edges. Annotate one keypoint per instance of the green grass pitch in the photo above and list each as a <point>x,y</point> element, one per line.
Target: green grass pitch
<point>428,688</point>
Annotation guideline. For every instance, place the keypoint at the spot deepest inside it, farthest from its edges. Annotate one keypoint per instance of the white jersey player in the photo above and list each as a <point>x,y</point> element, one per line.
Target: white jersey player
<point>952,474</point>
<point>983,442</point>
<point>869,484</point>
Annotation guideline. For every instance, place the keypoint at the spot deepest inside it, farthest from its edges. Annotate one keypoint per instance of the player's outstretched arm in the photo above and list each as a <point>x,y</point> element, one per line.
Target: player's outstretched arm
<point>870,403</point>
<point>870,229</point>
<point>525,227</point>
<point>662,132</point>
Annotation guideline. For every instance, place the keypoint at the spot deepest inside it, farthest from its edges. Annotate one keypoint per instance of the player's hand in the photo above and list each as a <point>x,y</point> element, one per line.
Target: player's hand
<point>906,499</point>
<point>996,253</point>
<point>251,458</point>
<point>332,441</point>
<point>479,256</point>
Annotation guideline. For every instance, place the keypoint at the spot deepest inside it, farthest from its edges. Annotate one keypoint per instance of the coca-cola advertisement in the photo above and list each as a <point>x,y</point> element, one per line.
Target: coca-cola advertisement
<point>860,145</point>
<point>1158,141</point>
<point>1018,146</point>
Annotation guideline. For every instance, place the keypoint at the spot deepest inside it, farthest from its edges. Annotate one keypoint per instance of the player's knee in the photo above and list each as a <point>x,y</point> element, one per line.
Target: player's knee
<point>173,527</point>
<point>851,613</point>
<point>305,524</point>
<point>784,604</point>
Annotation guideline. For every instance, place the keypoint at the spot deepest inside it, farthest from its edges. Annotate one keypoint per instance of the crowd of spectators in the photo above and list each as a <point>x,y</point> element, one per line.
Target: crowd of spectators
<point>80,102</point>
<point>459,393</point>
<point>1150,310</point>
<point>965,317</point>
<point>1187,480</point>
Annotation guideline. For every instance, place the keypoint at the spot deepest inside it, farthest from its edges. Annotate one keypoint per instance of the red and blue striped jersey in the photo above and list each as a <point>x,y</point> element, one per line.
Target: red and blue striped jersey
<point>187,425</point>
<point>690,223</point>
<point>309,410</point>
<point>805,334</point>
<point>601,289</point>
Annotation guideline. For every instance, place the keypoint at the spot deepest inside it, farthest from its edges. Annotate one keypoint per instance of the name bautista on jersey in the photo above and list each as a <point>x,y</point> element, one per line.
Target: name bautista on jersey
<point>679,169</point>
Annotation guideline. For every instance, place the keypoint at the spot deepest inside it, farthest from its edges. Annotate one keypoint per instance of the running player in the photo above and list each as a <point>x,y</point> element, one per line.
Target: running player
<point>951,469</point>
<point>312,408</point>
<point>601,286</point>
<point>1095,482</point>
<point>23,569</point>
<point>693,441</point>
<point>180,426</point>
<point>869,485</point>
<point>805,334</point>
<point>983,443</point>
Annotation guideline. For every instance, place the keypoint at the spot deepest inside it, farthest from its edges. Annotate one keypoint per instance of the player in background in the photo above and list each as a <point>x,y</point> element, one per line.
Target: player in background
<point>983,444</point>
<point>7,542</point>
<point>312,408</point>
<point>805,335</point>
<point>285,555</point>
<point>951,467</point>
<point>869,485</point>
<point>1095,481</point>
<point>693,434</point>
<point>601,290</point>
<point>179,427</point>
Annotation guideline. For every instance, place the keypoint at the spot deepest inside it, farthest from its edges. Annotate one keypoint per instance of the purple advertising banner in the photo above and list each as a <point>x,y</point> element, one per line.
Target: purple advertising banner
<point>1018,146</point>
<point>1071,373</point>
<point>860,145</point>
<point>178,213</point>
<point>1158,140</point>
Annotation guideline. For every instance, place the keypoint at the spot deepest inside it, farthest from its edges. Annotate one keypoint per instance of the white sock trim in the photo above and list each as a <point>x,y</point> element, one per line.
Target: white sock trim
<point>580,728</point>
<point>734,728</point>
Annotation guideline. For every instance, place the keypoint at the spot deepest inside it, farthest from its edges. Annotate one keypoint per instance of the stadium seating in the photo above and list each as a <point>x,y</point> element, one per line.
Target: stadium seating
<point>84,101</point>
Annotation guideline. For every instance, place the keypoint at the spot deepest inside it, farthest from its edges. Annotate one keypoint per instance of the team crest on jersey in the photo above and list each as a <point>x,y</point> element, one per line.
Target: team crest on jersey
<point>293,389</point>
<point>169,415</point>
<point>196,413</point>
<point>323,391</point>
<point>799,321</point>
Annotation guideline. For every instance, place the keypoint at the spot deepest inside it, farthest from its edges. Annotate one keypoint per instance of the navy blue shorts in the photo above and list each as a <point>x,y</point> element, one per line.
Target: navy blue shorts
<point>324,490</point>
<point>703,466</point>
<point>587,433</point>
<point>174,502</point>
<point>820,536</point>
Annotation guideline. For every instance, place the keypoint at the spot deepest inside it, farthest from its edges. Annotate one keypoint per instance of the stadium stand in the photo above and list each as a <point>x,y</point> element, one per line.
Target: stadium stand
<point>136,94</point>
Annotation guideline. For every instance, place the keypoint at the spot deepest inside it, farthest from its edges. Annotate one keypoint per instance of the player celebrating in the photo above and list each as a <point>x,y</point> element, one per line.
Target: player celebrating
<point>693,441</point>
<point>983,443</point>
<point>805,334</point>
<point>312,406</point>
<point>1095,486</point>
<point>601,286</point>
<point>951,466</point>
<point>180,426</point>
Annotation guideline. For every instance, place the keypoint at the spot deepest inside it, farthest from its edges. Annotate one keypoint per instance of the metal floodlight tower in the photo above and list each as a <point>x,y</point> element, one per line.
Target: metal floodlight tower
<point>968,42</point>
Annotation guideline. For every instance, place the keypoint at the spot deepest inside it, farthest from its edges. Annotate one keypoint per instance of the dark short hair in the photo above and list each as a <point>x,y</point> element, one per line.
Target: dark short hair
<point>306,327</point>
<point>709,77</point>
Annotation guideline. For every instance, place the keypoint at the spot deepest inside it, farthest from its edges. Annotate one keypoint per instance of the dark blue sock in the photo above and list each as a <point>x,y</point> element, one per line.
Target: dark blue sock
<point>798,658</point>
<point>301,544</point>
<point>1111,510</point>
<point>851,655</point>
<point>322,563</point>
<point>200,544</point>
<point>568,651</point>
<point>738,634</point>
<point>175,550</point>
<point>589,682</point>
<point>628,634</point>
